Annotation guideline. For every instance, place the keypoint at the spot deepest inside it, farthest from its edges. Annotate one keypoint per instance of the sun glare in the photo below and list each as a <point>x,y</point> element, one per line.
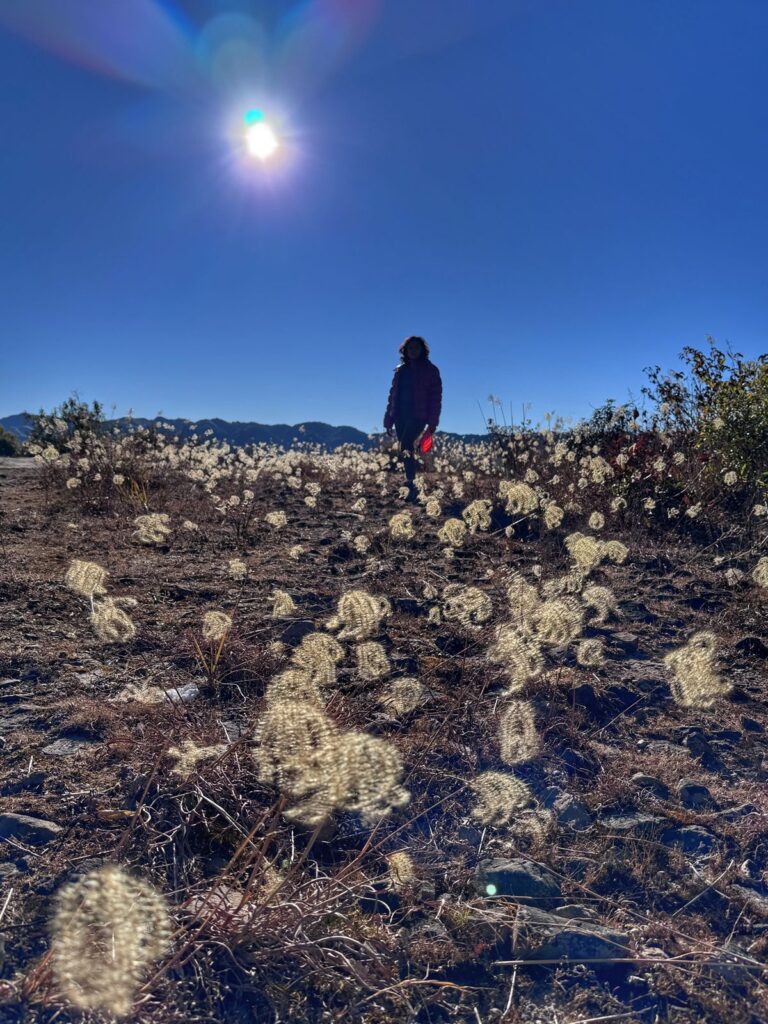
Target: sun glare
<point>260,139</point>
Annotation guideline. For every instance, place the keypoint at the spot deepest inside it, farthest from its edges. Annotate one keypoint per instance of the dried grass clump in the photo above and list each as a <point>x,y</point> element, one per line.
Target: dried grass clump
<point>106,930</point>
<point>283,605</point>
<point>188,756</point>
<point>360,614</point>
<point>590,653</point>
<point>278,520</point>
<point>109,620</point>
<point>523,598</point>
<point>433,508</point>
<point>520,654</point>
<point>571,583</point>
<point>453,533</point>
<point>518,738</point>
<point>499,797</point>
<point>372,660</point>
<point>318,654</point>
<point>467,605</point>
<point>401,526</point>
<point>615,551</point>
<point>477,515</point>
<point>86,578</point>
<point>760,572</point>
<point>237,569</point>
<point>293,738</point>
<point>553,516</point>
<point>401,870</point>
<point>695,682</point>
<point>519,498</point>
<point>371,769</point>
<point>596,521</point>
<point>294,684</point>
<point>151,528</point>
<point>587,552</point>
<point>558,621</point>
<point>403,696</point>
<point>602,600</point>
<point>216,625</point>
<point>361,543</point>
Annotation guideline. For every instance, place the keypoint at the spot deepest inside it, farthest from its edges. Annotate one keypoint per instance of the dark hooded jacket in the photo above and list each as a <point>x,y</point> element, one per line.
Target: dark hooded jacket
<point>416,392</point>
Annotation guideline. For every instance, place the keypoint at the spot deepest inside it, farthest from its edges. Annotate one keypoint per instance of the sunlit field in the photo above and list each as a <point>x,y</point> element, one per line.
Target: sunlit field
<point>280,746</point>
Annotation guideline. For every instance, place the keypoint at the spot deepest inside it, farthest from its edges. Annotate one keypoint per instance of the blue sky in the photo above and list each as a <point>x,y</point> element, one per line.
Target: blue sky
<point>555,193</point>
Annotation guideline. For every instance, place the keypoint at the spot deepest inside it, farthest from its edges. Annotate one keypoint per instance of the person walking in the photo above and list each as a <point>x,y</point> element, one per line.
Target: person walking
<point>415,402</point>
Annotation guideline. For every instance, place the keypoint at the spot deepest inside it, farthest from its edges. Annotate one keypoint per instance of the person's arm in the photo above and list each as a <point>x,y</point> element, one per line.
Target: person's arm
<point>389,415</point>
<point>434,401</point>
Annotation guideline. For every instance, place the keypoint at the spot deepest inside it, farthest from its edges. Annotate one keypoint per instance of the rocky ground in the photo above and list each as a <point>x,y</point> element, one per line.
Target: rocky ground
<point>642,896</point>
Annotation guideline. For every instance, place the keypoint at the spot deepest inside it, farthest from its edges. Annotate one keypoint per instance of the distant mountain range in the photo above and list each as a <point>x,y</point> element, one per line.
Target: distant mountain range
<point>243,433</point>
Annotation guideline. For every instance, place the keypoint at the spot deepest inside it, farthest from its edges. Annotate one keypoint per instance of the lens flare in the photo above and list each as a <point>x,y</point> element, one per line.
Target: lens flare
<point>260,140</point>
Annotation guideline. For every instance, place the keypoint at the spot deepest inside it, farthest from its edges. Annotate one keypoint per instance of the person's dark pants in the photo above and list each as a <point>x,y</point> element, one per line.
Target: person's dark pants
<point>407,432</point>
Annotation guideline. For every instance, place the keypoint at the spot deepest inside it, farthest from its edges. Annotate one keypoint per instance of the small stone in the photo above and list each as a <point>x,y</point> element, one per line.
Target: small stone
<point>183,694</point>
<point>547,936</point>
<point>523,880</point>
<point>27,829</point>
<point>653,785</point>
<point>753,645</point>
<point>67,746</point>
<point>295,631</point>
<point>690,839</point>
<point>751,725</point>
<point>694,795</point>
<point>572,812</point>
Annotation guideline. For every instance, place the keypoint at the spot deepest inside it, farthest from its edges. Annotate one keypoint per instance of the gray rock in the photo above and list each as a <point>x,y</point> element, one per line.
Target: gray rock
<point>653,785</point>
<point>693,794</point>
<point>26,829</point>
<point>7,869</point>
<point>572,812</point>
<point>632,822</point>
<point>183,694</point>
<point>67,747</point>
<point>523,880</point>
<point>295,631</point>
<point>690,839</point>
<point>547,936</point>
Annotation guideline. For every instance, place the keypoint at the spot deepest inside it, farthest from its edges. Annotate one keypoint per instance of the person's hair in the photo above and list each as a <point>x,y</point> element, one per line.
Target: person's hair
<point>424,348</point>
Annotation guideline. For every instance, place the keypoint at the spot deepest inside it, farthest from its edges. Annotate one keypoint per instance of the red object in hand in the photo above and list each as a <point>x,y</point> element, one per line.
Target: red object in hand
<point>426,444</point>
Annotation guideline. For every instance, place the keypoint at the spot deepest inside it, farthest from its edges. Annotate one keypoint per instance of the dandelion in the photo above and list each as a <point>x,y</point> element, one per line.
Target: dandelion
<point>733,576</point>
<point>695,681</point>
<point>295,552</point>
<point>760,510</point>
<point>403,696</point>
<point>86,578</point>
<point>360,505</point>
<point>433,508</point>
<point>730,478</point>
<point>499,796</point>
<point>190,526</point>
<point>73,482</point>
<point>216,625</point>
<point>468,605</point>
<point>118,479</point>
<point>518,738</point>
<point>693,511</point>
<point>452,532</point>
<point>361,543</point>
<point>649,504</point>
<point>110,621</point>
<point>596,521</point>
<point>310,501</point>
<point>278,520</point>
<point>237,569</point>
<point>283,604</point>
<point>618,503</point>
<point>678,458</point>
<point>106,930</point>
<point>152,528</point>
<point>190,754</point>
<point>401,526</point>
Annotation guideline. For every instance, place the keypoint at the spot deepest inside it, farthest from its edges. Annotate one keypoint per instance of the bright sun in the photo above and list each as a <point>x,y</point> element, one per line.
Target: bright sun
<point>260,140</point>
